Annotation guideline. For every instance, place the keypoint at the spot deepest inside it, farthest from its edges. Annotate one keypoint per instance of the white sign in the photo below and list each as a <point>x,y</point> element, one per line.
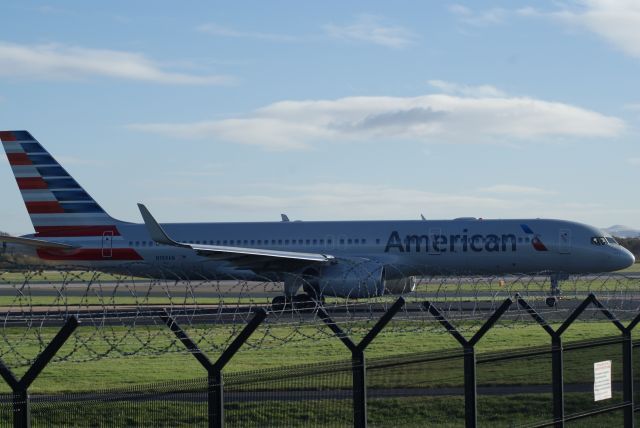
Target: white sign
<point>601,380</point>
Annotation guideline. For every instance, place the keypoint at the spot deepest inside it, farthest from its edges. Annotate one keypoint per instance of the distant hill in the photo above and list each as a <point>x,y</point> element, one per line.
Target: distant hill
<point>623,231</point>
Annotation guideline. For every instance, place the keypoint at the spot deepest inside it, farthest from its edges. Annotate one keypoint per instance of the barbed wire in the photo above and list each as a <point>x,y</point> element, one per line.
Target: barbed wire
<point>121,314</point>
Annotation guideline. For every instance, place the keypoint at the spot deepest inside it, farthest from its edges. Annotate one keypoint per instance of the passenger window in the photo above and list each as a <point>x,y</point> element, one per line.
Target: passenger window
<point>349,241</point>
<point>308,241</point>
<point>364,241</point>
<point>322,242</point>
<point>377,240</point>
<point>328,241</point>
<point>279,241</point>
<point>356,241</point>
<point>224,242</point>
<point>341,241</point>
<point>286,242</point>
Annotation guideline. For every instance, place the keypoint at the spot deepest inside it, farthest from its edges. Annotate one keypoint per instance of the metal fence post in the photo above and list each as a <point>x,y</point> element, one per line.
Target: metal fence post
<point>627,378</point>
<point>358,361</point>
<point>470,379</point>
<point>21,409</point>
<point>359,368</point>
<point>470,387</point>
<point>20,387</point>
<point>215,384</point>
<point>557,380</point>
<point>628,381</point>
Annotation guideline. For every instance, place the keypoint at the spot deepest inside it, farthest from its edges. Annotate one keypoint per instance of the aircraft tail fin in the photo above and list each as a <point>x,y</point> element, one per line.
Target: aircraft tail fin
<point>56,203</point>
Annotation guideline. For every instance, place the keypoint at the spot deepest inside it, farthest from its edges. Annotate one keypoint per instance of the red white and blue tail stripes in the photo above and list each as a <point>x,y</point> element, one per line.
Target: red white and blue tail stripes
<point>57,205</point>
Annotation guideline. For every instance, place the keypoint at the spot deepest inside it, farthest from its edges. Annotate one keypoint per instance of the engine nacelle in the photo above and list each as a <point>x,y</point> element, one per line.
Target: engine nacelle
<point>400,285</point>
<point>361,279</point>
<point>352,278</point>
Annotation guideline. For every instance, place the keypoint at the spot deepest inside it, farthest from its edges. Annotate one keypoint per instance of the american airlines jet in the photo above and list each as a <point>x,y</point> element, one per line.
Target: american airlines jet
<point>324,258</point>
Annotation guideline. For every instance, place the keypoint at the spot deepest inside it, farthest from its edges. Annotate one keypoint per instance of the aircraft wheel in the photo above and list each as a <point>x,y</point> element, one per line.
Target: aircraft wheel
<point>304,301</point>
<point>278,303</point>
<point>551,301</point>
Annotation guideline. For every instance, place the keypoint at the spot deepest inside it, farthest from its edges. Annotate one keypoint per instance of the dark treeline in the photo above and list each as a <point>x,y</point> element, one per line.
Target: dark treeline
<point>631,244</point>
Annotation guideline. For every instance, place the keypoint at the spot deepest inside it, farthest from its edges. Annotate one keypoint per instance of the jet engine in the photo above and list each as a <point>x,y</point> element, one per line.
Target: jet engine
<point>361,279</point>
<point>401,285</point>
<point>352,278</point>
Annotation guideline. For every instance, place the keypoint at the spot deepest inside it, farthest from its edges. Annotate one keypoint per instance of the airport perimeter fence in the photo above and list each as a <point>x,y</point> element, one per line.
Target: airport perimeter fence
<point>551,385</point>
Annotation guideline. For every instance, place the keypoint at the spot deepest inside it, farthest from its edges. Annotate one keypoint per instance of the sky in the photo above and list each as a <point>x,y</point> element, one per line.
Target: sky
<point>240,111</point>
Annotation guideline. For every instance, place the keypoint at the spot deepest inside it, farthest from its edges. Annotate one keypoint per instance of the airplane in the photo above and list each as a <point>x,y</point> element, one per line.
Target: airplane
<point>355,259</point>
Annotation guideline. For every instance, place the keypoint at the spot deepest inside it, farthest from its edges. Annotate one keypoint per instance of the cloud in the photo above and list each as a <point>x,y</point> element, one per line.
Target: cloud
<point>55,61</point>
<point>479,19</point>
<point>617,21</point>
<point>219,30</point>
<point>341,201</point>
<point>372,29</point>
<point>433,118</point>
<point>510,189</point>
<point>466,90</point>
<point>354,201</point>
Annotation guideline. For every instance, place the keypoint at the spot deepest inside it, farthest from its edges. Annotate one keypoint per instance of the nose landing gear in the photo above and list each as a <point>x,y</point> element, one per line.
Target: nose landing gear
<point>554,297</point>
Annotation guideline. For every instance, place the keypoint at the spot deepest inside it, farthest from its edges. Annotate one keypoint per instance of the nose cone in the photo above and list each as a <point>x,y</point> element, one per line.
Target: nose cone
<point>623,259</point>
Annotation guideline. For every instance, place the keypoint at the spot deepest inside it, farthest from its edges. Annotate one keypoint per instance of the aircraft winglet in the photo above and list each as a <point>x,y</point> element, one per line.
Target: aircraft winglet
<point>156,231</point>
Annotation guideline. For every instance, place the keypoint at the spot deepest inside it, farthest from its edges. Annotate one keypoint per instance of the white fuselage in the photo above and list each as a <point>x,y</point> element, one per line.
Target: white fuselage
<point>444,247</point>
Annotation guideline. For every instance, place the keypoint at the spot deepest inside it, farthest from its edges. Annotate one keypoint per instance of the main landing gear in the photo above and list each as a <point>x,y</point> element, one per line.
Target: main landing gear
<point>297,302</point>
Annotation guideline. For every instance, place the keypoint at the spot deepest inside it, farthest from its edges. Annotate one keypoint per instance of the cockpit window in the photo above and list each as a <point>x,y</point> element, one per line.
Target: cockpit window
<point>599,240</point>
<point>612,241</point>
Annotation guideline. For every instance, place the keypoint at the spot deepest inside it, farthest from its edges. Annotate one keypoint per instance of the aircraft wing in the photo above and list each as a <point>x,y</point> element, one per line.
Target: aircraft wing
<point>38,243</point>
<point>248,258</point>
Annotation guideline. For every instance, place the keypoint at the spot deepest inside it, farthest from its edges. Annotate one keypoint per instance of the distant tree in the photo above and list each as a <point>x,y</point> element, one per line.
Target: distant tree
<point>631,244</point>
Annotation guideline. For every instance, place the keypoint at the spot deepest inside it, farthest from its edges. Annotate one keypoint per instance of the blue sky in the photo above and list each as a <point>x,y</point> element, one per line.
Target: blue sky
<point>238,111</point>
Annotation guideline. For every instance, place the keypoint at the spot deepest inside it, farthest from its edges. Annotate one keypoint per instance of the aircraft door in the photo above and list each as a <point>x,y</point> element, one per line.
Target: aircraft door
<point>564,241</point>
<point>433,233</point>
<point>107,244</point>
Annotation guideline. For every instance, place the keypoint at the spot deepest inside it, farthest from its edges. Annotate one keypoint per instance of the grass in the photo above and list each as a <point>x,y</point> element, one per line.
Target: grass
<point>312,345</point>
<point>445,411</point>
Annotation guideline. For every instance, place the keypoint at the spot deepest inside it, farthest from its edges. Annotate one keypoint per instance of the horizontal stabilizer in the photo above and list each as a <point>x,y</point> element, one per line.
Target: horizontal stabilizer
<point>38,243</point>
